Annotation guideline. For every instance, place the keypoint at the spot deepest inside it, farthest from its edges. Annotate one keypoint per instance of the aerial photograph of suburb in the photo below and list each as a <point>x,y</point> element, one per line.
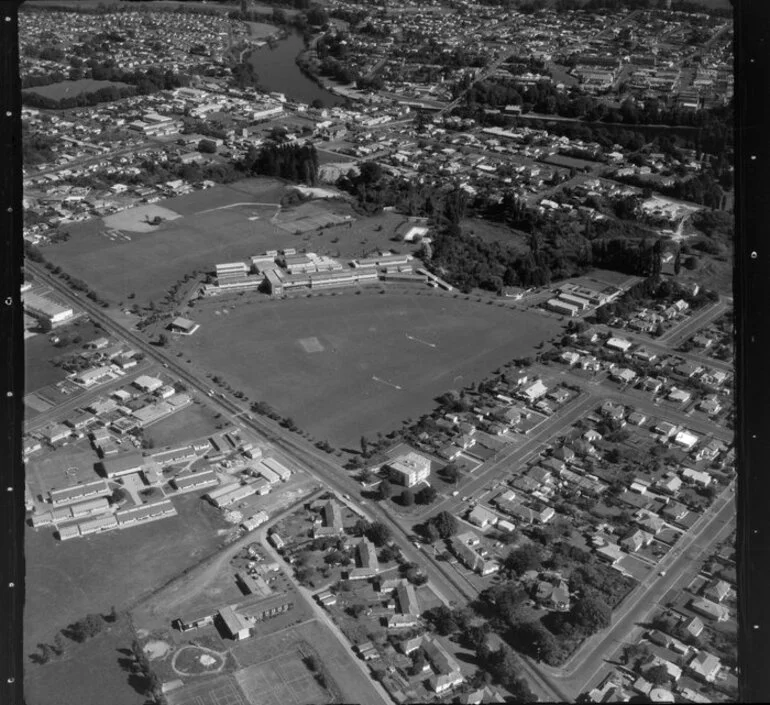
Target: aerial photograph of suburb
<point>378,352</point>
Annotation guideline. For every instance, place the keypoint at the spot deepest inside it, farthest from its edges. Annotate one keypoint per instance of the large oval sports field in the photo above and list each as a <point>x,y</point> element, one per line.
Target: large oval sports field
<point>348,365</point>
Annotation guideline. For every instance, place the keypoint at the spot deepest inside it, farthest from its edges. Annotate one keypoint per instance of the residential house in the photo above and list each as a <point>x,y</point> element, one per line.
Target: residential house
<point>636,540</point>
<point>481,517</point>
<point>705,666</point>
<point>717,590</point>
<point>710,609</point>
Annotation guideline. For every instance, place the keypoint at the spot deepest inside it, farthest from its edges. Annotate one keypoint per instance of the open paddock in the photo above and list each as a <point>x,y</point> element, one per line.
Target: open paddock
<point>385,356</point>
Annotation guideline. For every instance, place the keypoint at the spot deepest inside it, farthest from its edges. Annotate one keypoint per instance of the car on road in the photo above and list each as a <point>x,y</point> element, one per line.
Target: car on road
<point>455,493</point>
<point>662,572</point>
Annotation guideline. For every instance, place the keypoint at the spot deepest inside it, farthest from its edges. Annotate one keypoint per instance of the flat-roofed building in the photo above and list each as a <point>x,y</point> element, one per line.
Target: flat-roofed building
<point>195,481</point>
<point>69,532</point>
<point>93,375</point>
<point>48,313</point>
<point>79,492</point>
<point>581,303</point>
<point>123,464</point>
<point>254,521</point>
<point>106,522</point>
<point>562,307</point>
<point>175,455</point>
<point>236,627</point>
<point>147,383</point>
<point>184,326</point>
<point>91,506</point>
<point>145,513</point>
<point>409,469</point>
<point>272,464</point>
<point>56,432</point>
<point>232,496</point>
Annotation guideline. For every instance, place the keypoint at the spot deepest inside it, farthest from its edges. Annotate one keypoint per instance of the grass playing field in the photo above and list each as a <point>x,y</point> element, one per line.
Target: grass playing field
<point>348,365</point>
<point>69,89</point>
<point>93,673</point>
<point>67,580</point>
<point>221,224</point>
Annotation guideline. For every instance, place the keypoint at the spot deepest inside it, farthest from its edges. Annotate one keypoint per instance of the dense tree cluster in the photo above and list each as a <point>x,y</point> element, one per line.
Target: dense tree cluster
<point>293,162</point>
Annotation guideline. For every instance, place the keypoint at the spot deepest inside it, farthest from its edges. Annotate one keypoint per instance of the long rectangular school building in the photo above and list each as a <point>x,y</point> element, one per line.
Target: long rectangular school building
<point>197,480</point>
<point>283,472</point>
<point>69,495</point>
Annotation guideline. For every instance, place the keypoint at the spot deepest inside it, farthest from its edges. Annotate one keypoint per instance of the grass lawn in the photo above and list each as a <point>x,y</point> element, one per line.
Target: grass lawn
<point>87,674</point>
<point>39,351</point>
<point>69,89</point>
<point>67,580</point>
<point>48,470</point>
<point>192,422</point>
<point>221,224</point>
<point>378,359</point>
<point>150,263</point>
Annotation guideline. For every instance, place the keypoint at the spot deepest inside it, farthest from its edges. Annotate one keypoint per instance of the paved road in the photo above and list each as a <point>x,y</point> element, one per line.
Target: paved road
<point>515,455</point>
<point>322,615</point>
<point>656,346</point>
<point>691,326</point>
<point>321,466</point>
<point>584,664</point>
<point>64,410</point>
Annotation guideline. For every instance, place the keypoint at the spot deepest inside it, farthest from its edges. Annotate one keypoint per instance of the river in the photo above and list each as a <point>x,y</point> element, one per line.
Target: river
<point>278,71</point>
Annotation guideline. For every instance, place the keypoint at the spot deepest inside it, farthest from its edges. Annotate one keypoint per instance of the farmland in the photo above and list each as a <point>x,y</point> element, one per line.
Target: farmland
<point>221,224</point>
<point>70,89</point>
<point>342,365</point>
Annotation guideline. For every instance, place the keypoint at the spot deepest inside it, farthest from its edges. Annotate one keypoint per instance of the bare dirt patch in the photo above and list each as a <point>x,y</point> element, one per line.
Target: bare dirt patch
<point>137,220</point>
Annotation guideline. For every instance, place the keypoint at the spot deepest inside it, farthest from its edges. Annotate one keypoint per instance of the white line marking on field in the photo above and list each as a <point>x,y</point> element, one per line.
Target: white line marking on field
<point>390,384</point>
<point>417,340</point>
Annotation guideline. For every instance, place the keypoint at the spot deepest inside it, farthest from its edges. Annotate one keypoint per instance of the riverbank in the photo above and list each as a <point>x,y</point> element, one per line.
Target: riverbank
<point>281,69</point>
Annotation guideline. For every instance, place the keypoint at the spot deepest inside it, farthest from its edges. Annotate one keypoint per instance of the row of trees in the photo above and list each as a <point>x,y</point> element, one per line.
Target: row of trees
<point>293,162</point>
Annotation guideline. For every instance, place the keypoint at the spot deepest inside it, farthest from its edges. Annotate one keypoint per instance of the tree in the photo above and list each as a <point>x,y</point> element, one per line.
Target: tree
<point>658,675</point>
<point>418,661</point>
<point>370,173</point>
<point>520,560</point>
<point>407,497</point>
<point>590,615</point>
<point>442,619</point>
<point>445,523</point>
<point>118,495</point>
<point>431,533</point>
<point>385,489</point>
<point>162,340</point>
<point>426,495</point>
<point>378,533</point>
<point>364,447</point>
<point>450,473</point>
<point>543,644</point>
<point>85,628</point>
